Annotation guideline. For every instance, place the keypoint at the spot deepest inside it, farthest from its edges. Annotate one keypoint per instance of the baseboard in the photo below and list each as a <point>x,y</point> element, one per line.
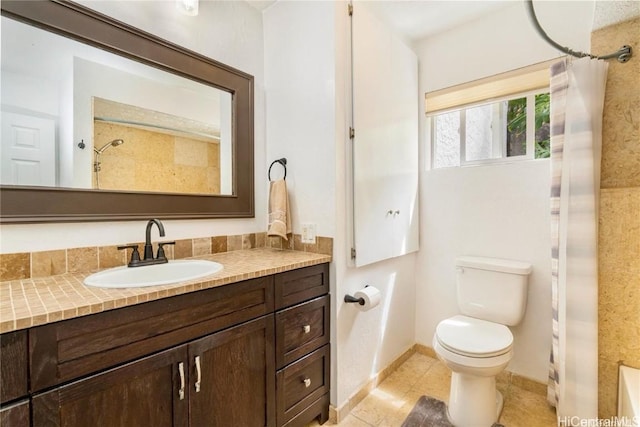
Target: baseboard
<point>340,413</point>
<point>528,384</point>
<point>425,350</point>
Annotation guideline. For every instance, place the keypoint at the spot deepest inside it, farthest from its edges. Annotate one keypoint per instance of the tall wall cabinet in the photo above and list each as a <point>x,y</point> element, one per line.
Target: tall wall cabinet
<point>254,353</point>
<point>385,141</point>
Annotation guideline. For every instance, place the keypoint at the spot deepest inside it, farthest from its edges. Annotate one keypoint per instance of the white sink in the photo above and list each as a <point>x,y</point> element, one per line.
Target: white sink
<point>152,275</point>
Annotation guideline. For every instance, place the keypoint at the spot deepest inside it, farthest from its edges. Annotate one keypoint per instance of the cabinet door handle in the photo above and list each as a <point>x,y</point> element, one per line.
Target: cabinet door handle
<point>198,374</point>
<point>306,329</point>
<point>307,382</point>
<point>181,370</point>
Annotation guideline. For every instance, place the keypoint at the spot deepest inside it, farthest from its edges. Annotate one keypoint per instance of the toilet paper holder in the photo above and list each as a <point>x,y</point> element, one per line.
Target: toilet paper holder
<point>351,299</point>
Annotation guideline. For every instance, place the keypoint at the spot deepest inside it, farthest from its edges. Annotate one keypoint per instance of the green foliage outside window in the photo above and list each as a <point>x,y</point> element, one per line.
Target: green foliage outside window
<point>517,126</point>
<point>543,126</point>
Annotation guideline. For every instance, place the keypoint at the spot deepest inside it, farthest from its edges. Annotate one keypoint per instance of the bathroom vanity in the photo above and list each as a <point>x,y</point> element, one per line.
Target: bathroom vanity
<point>250,353</point>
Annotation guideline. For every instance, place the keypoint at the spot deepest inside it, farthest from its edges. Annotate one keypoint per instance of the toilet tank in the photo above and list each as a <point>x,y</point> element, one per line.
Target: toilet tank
<point>492,289</point>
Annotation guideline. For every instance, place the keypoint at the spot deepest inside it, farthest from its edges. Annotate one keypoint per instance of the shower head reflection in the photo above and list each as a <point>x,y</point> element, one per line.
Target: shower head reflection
<point>106,146</point>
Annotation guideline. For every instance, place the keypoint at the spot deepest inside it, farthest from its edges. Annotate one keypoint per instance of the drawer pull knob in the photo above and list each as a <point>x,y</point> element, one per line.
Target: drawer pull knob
<point>306,329</point>
<point>307,382</point>
<point>181,370</point>
<point>198,374</point>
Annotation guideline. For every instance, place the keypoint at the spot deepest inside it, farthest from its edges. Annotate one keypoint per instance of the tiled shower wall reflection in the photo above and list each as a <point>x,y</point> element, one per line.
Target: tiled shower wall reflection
<point>619,232</point>
<point>188,165</point>
<point>83,260</point>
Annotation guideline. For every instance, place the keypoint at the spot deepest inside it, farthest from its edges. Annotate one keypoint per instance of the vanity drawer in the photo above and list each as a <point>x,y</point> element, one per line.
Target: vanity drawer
<point>301,329</point>
<point>296,286</point>
<point>302,383</point>
<point>62,351</point>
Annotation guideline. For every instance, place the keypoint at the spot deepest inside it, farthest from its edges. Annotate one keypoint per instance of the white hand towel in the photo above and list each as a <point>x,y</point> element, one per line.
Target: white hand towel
<point>279,213</point>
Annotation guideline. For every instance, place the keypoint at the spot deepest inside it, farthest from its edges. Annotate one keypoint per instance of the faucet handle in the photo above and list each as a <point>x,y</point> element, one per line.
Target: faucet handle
<point>161,245</point>
<point>135,255</point>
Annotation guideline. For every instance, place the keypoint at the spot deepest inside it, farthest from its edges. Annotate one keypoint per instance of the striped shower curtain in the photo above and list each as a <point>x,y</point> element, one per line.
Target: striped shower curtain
<point>577,98</point>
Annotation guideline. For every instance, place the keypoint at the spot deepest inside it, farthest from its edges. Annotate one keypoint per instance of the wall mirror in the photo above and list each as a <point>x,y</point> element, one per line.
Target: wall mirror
<point>101,121</point>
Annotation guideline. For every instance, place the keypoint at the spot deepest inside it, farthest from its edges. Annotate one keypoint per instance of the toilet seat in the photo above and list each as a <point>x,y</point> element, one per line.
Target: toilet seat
<point>472,337</point>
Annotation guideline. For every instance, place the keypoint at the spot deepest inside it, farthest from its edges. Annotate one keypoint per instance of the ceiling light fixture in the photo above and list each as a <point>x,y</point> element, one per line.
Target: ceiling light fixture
<point>188,7</point>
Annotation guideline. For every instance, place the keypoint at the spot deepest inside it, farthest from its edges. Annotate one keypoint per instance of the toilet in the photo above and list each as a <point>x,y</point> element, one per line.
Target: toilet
<point>477,344</point>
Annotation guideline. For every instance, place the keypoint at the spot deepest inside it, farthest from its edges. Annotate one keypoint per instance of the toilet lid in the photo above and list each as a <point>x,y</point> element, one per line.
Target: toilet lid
<point>474,337</point>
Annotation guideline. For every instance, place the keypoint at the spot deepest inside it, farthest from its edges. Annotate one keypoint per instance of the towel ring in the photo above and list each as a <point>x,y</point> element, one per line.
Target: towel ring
<point>283,162</point>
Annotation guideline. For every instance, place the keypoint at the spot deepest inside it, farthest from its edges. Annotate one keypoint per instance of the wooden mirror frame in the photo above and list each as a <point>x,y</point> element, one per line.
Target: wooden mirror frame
<point>21,204</point>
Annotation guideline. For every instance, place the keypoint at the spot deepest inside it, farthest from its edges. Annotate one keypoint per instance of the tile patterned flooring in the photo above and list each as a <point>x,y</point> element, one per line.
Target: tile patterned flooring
<point>390,403</point>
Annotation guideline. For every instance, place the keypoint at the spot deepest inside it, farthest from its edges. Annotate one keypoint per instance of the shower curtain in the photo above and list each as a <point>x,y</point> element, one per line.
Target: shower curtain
<point>577,98</point>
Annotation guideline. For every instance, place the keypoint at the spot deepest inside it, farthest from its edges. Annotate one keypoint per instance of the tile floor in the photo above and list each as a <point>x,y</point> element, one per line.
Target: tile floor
<point>390,403</point>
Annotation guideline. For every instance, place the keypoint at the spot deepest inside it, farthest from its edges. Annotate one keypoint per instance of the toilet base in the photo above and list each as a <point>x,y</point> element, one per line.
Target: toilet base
<point>474,401</point>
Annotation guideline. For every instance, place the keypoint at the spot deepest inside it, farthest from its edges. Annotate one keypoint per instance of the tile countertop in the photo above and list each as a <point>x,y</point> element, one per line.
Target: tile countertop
<point>31,302</point>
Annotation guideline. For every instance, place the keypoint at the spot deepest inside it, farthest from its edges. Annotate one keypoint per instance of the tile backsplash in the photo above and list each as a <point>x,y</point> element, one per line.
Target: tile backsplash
<point>83,260</point>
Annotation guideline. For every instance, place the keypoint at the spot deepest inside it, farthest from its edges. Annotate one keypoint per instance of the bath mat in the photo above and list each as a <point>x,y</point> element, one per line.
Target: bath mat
<point>430,412</point>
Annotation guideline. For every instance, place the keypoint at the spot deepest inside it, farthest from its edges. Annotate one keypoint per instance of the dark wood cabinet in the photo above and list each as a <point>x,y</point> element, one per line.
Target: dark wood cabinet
<point>233,377</point>
<point>62,351</point>
<point>223,379</point>
<point>302,346</point>
<point>224,356</point>
<point>144,392</point>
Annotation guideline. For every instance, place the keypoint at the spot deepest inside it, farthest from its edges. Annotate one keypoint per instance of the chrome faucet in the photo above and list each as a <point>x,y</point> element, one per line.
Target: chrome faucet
<point>148,259</point>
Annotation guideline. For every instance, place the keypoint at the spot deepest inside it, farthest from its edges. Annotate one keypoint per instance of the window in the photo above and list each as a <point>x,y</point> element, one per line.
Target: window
<point>498,118</point>
<point>516,127</point>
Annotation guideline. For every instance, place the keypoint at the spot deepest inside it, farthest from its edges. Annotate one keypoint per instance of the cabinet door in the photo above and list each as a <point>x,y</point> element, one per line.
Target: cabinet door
<point>13,365</point>
<point>233,376</point>
<point>142,393</point>
<point>385,147</point>
<point>15,415</point>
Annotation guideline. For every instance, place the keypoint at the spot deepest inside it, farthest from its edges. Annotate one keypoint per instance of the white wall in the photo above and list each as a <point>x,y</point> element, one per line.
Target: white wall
<point>306,80</point>
<point>499,210</point>
<point>300,103</point>
<point>21,92</point>
<point>230,32</point>
<point>502,41</point>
